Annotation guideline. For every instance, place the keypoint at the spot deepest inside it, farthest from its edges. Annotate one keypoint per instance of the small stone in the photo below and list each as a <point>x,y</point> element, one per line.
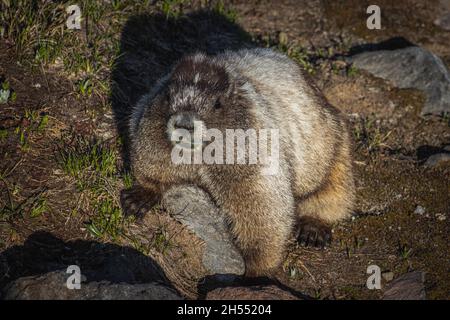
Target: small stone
<point>441,216</point>
<point>419,210</point>
<point>58,172</point>
<point>388,275</point>
<point>437,159</point>
<point>443,22</point>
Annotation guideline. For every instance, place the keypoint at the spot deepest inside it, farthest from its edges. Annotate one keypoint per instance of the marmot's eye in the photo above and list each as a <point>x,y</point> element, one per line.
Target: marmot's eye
<point>217,105</point>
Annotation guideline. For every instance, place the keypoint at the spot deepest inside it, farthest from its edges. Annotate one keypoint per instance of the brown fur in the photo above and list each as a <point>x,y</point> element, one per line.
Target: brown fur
<point>251,89</point>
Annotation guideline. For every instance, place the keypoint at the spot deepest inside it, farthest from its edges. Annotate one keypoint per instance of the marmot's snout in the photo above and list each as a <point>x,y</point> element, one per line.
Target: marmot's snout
<point>181,128</point>
<point>183,120</point>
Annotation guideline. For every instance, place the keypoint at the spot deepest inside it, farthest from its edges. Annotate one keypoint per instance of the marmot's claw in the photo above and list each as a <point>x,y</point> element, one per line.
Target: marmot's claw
<point>313,232</point>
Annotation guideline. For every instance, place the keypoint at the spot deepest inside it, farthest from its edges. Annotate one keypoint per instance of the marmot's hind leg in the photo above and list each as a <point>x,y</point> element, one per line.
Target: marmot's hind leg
<point>313,232</point>
<point>331,203</point>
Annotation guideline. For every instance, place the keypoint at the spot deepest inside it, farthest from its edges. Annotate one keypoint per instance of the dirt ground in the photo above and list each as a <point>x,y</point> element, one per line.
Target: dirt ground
<point>52,120</point>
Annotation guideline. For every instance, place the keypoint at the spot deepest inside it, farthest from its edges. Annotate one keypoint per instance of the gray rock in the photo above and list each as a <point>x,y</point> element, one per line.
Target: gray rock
<point>411,67</point>
<point>409,286</point>
<point>52,286</point>
<point>437,159</point>
<point>193,207</point>
<point>419,210</point>
<point>443,22</point>
<point>261,292</point>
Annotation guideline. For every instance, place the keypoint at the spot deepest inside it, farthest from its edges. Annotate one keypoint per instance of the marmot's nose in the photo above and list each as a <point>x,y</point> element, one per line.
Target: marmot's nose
<point>184,121</point>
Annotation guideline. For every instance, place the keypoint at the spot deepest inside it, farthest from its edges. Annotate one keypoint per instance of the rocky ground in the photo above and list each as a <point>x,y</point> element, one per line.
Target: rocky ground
<point>62,165</point>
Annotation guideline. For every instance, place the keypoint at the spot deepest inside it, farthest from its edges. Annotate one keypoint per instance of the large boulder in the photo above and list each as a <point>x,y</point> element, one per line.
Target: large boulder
<point>411,67</point>
<point>38,268</point>
<point>409,286</point>
<point>53,286</point>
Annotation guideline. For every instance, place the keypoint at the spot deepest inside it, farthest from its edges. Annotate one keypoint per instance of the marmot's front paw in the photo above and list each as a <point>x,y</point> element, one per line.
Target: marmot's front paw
<point>313,232</point>
<point>136,201</point>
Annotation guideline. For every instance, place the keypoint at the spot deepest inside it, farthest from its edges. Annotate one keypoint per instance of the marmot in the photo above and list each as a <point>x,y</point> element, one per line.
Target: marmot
<point>249,88</point>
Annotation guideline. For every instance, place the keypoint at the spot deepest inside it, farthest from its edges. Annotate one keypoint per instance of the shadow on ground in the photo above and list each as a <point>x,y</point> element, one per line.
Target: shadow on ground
<point>42,253</point>
<point>394,43</point>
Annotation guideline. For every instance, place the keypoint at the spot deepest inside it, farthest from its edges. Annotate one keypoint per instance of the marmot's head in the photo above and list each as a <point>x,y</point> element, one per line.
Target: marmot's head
<point>201,92</point>
<point>198,91</point>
